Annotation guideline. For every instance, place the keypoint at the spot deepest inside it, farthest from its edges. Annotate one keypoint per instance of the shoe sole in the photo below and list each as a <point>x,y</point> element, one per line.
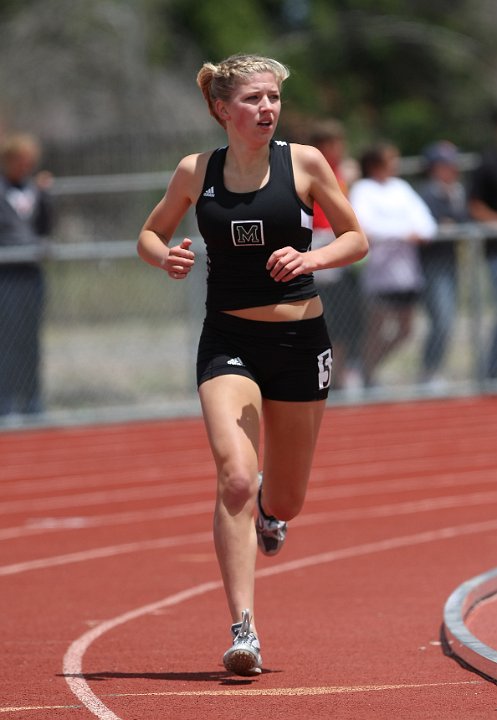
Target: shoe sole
<point>262,546</point>
<point>241,662</point>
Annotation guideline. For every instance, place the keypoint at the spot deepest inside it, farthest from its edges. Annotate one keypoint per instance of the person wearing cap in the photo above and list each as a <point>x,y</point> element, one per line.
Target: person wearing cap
<point>445,195</point>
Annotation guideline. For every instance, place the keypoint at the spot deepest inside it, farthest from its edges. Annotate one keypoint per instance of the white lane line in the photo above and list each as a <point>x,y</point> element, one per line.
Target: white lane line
<point>382,511</point>
<point>104,552</point>
<point>297,691</point>
<point>72,667</point>
<point>43,525</point>
<point>265,692</point>
<point>105,497</point>
<point>401,484</point>
<point>31,708</point>
<point>73,659</point>
<point>203,475</point>
<point>186,475</point>
<point>446,502</point>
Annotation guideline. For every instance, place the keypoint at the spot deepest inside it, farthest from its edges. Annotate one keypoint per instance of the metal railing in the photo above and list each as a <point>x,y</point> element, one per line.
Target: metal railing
<point>119,340</point>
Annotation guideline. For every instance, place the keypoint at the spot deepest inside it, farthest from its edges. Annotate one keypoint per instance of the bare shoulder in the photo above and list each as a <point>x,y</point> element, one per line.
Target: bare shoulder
<point>311,172</point>
<point>193,165</point>
<point>308,158</point>
<point>190,173</point>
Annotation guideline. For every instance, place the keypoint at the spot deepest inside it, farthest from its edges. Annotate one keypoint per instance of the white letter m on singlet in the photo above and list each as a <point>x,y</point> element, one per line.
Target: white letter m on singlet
<point>247,233</point>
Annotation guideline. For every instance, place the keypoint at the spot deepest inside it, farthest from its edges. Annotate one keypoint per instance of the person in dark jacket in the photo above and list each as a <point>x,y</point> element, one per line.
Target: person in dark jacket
<point>25,217</point>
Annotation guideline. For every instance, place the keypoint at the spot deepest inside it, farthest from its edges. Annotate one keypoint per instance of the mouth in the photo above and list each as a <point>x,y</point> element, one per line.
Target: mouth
<point>265,123</point>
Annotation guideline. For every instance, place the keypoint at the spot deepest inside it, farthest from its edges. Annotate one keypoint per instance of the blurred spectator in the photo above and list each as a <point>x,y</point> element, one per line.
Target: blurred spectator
<point>445,195</point>
<point>483,207</point>
<point>396,220</point>
<point>24,219</point>
<point>339,288</point>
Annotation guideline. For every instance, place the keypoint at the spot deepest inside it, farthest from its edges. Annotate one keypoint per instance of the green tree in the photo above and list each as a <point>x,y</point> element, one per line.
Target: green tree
<point>411,70</point>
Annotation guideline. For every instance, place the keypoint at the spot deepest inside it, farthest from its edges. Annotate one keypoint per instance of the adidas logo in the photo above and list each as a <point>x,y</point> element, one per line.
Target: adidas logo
<point>210,192</point>
<point>235,361</point>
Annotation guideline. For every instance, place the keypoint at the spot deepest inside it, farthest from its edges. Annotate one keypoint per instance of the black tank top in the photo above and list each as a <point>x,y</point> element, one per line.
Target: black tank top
<point>241,231</point>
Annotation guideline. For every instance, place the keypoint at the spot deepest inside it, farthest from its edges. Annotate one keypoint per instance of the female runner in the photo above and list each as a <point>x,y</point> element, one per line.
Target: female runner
<point>264,356</point>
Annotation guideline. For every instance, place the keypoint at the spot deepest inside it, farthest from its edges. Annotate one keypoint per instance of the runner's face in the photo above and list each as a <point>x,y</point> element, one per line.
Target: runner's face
<point>254,108</point>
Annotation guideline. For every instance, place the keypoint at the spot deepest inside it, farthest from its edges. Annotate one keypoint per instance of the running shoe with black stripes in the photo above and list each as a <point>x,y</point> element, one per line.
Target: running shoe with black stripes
<point>271,532</point>
<point>244,656</point>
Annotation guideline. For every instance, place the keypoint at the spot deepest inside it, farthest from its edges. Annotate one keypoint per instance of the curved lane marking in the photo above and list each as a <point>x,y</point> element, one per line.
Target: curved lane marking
<point>73,659</point>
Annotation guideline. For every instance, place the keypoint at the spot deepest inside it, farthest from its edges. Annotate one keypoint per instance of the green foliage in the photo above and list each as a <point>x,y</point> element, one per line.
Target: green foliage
<point>223,27</point>
<point>412,70</point>
<point>9,8</point>
<point>409,120</point>
<point>396,68</point>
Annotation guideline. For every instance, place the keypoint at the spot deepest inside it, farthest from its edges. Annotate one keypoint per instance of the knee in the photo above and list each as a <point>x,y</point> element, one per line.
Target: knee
<point>237,490</point>
<point>286,507</point>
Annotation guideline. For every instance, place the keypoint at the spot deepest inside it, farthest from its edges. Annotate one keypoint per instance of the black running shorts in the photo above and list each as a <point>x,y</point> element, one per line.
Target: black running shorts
<point>289,361</point>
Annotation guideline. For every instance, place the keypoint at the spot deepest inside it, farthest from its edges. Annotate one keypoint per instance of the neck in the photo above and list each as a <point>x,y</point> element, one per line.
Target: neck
<point>245,158</point>
<point>247,161</point>
<point>246,169</point>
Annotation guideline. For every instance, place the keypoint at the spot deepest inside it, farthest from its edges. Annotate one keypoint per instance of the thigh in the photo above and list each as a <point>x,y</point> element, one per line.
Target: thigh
<point>231,407</point>
<point>290,433</point>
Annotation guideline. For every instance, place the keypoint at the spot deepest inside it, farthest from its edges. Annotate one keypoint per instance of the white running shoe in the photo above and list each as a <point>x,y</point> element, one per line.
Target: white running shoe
<point>244,656</point>
<point>271,532</point>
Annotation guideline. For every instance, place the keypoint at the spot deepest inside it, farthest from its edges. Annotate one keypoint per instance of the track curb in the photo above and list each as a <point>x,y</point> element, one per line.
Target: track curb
<point>460,641</point>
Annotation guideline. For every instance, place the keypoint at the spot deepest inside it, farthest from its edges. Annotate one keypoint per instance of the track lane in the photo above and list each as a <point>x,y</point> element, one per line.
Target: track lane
<point>437,473</point>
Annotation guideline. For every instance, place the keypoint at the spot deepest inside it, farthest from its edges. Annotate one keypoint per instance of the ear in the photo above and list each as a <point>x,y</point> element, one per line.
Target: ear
<point>221,110</point>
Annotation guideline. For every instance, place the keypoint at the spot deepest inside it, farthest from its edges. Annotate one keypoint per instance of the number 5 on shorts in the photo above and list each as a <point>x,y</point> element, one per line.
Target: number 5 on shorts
<point>324,369</point>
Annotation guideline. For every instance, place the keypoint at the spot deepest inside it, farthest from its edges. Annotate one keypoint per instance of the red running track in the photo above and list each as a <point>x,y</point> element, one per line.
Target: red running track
<point>111,603</point>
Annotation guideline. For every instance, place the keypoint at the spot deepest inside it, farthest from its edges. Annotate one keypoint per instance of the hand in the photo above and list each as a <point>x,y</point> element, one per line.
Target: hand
<point>179,261</point>
<point>287,263</point>
<point>44,179</point>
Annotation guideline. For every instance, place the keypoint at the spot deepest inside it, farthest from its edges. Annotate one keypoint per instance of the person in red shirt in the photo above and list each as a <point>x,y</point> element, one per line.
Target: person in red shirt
<point>339,288</point>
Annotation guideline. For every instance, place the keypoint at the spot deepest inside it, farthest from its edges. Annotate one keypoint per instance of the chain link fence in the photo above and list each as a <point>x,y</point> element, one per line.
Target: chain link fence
<point>119,340</point>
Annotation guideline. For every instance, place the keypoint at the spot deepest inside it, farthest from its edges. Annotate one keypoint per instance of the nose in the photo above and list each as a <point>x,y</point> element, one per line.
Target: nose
<point>265,103</point>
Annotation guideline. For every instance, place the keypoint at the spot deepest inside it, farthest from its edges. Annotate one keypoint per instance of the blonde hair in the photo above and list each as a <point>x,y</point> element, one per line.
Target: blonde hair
<point>217,81</point>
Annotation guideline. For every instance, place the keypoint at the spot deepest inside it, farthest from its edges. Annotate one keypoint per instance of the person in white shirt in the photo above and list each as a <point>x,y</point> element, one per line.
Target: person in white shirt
<point>396,220</point>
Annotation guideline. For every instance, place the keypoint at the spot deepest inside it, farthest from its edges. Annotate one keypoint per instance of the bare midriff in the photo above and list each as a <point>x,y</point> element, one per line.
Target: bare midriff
<point>282,312</point>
